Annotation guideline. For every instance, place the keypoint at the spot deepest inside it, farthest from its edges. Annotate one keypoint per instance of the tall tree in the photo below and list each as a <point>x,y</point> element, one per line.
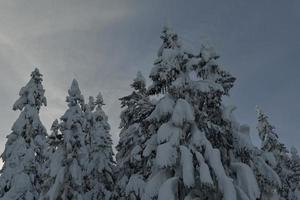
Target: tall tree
<point>131,167</point>
<point>99,179</point>
<point>68,162</point>
<point>23,156</point>
<point>192,141</point>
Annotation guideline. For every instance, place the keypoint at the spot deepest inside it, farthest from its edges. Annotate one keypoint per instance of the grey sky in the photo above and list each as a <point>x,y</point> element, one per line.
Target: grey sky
<point>104,43</point>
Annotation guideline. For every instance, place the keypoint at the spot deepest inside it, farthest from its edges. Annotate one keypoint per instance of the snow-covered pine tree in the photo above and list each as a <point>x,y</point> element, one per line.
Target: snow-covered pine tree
<point>137,103</point>
<point>261,162</point>
<point>275,152</point>
<point>24,151</point>
<point>69,160</point>
<point>132,168</point>
<point>55,141</point>
<point>173,66</point>
<point>270,141</point>
<point>191,139</point>
<point>99,179</point>
<point>294,178</point>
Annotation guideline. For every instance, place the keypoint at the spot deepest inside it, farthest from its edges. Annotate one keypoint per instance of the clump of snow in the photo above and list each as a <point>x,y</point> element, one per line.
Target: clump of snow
<point>54,191</point>
<point>163,108</point>
<point>246,180</point>
<point>136,153</point>
<point>269,158</point>
<point>203,169</point>
<point>198,137</point>
<point>166,131</point>
<point>75,173</point>
<point>187,166</point>
<point>205,86</point>
<point>166,155</point>
<point>225,183</point>
<point>154,184</point>
<point>265,170</point>
<point>168,190</point>
<point>56,158</point>
<point>135,184</point>
<point>20,187</point>
<point>183,112</point>
<point>151,145</point>
<point>240,194</point>
<point>228,112</point>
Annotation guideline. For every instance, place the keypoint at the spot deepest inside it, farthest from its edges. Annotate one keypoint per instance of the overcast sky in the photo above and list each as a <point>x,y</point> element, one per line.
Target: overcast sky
<point>104,43</point>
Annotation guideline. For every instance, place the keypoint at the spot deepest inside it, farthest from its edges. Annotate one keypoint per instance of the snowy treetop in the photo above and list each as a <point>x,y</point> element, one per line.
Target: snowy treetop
<point>170,40</point>
<point>99,100</point>
<point>33,93</point>
<point>139,83</point>
<point>174,64</point>
<point>270,140</point>
<point>75,95</point>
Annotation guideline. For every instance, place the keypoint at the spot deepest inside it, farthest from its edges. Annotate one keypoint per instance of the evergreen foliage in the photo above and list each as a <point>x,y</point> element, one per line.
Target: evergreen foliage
<point>24,152</point>
<point>132,168</point>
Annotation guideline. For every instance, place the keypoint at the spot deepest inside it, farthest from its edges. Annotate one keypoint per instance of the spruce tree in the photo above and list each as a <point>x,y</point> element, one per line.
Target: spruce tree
<point>275,152</point>
<point>24,154</point>
<point>132,168</point>
<point>191,140</point>
<point>99,179</point>
<point>54,155</point>
<point>270,139</point>
<point>68,162</point>
<point>259,161</point>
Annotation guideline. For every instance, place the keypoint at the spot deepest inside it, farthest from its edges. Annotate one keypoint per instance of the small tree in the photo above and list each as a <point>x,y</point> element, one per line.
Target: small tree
<point>270,140</point>
<point>69,160</point>
<point>274,151</point>
<point>23,156</point>
<point>99,178</point>
<point>131,167</point>
<point>54,156</point>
